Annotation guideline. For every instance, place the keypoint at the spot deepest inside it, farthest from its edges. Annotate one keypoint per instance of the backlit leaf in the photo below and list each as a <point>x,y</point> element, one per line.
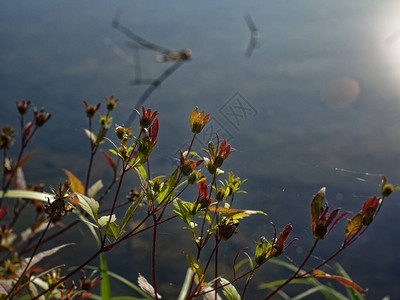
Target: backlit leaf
<point>353,225</point>
<point>316,205</point>
<point>263,250</point>
<point>194,265</point>
<point>129,212</point>
<point>91,136</point>
<point>229,290</point>
<point>102,221</point>
<point>76,184</point>
<point>95,188</point>
<point>37,258</point>
<point>147,287</point>
<point>89,205</point>
<point>235,214</point>
<point>44,197</point>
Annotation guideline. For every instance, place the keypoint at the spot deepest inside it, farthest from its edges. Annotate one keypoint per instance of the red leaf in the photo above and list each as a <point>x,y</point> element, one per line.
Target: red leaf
<point>371,203</point>
<point>109,161</point>
<point>340,279</point>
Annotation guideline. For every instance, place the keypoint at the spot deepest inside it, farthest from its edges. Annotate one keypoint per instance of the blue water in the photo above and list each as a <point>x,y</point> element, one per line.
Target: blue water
<point>316,103</point>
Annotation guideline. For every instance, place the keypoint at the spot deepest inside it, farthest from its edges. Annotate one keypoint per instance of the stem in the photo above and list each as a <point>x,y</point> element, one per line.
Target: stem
<point>295,273</point>
<point>247,284</point>
<point>10,295</point>
<point>93,149</point>
<point>153,257</point>
<point>70,274</point>
<point>216,267</point>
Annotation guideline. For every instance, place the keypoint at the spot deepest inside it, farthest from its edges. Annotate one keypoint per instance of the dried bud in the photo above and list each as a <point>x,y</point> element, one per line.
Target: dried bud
<point>188,167</point>
<point>227,228</point>
<point>40,117</point>
<point>90,109</point>
<point>133,194</point>
<point>23,106</point>
<point>194,176</point>
<point>7,137</point>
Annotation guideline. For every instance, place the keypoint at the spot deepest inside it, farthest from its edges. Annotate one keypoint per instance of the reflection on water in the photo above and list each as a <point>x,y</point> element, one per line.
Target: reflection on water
<point>316,99</point>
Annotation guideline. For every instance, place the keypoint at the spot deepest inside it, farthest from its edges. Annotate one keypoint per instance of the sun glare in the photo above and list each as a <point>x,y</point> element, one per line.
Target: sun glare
<point>388,35</point>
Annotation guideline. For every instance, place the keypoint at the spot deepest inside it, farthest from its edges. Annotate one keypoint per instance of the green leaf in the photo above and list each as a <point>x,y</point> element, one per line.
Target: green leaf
<point>186,285</point>
<point>129,212</point>
<point>182,210</point>
<point>114,152</point>
<point>95,188</point>
<point>91,136</point>
<point>113,230</point>
<point>316,205</point>
<point>105,289</point>
<point>142,171</point>
<point>353,294</point>
<point>89,205</point>
<point>229,290</point>
<point>263,250</point>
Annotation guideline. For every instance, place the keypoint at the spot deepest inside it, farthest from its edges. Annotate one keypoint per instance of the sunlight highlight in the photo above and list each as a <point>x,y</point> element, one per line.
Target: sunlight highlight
<point>388,35</point>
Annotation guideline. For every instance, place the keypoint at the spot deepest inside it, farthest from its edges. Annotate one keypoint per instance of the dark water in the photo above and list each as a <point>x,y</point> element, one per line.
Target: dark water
<point>316,103</point>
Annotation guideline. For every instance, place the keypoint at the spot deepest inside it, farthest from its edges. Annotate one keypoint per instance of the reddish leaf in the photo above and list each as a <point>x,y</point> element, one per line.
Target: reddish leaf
<point>371,203</point>
<point>368,210</point>
<point>109,161</point>
<point>76,184</point>
<point>346,282</point>
<point>3,211</point>
<point>338,219</point>
<point>24,159</point>
<point>284,234</point>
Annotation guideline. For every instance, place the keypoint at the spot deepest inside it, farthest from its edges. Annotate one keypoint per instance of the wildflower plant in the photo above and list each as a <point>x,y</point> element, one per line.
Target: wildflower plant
<point>209,218</point>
